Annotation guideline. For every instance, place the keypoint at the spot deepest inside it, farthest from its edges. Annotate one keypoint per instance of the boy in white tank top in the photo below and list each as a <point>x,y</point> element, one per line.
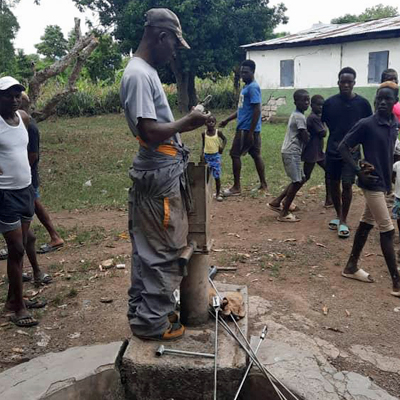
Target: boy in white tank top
<point>16,194</point>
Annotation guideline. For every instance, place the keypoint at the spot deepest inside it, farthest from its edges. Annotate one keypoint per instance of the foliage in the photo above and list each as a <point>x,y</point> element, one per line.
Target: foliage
<point>23,64</point>
<point>377,12</point>
<point>215,29</point>
<point>8,30</point>
<point>105,60</point>
<point>53,44</point>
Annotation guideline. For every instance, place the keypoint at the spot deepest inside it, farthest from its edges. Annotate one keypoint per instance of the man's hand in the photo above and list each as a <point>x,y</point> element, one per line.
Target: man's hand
<point>366,178</point>
<point>250,139</point>
<point>196,119</point>
<point>220,150</point>
<point>223,124</point>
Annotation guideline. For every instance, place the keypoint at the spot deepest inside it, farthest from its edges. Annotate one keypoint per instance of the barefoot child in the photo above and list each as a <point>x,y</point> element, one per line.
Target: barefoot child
<point>295,139</point>
<point>313,152</point>
<point>214,143</point>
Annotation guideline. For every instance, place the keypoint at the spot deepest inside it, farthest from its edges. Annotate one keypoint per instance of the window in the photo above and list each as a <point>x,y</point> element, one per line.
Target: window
<point>378,62</point>
<point>287,73</point>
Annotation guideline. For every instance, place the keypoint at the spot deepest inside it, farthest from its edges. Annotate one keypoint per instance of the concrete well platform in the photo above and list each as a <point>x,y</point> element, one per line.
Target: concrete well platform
<point>148,377</point>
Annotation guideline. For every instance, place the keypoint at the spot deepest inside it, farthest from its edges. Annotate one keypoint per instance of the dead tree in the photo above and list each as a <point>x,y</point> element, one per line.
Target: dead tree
<point>79,53</point>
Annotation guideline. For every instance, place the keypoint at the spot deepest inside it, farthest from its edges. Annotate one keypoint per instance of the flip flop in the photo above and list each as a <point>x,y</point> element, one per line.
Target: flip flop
<point>3,254</point>
<point>360,275</point>
<point>288,218</point>
<point>19,321</point>
<point>228,193</point>
<point>273,208</point>
<point>343,231</point>
<point>334,224</point>
<point>395,294</point>
<point>44,279</point>
<point>26,277</point>
<point>35,304</point>
<point>48,248</point>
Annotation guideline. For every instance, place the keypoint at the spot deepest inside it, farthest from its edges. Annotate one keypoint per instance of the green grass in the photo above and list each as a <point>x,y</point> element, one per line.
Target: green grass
<point>286,110</point>
<point>101,149</point>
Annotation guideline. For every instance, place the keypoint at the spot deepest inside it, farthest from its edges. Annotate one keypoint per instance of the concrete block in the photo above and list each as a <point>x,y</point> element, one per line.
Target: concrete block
<point>148,377</point>
<point>79,373</point>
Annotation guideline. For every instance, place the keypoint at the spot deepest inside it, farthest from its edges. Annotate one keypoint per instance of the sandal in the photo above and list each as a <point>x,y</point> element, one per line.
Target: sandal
<point>3,254</point>
<point>334,224</point>
<point>25,321</point>
<point>35,304</point>
<point>288,218</point>
<point>43,279</point>
<point>274,208</point>
<point>48,248</point>
<point>228,193</point>
<point>343,231</point>
<point>360,275</point>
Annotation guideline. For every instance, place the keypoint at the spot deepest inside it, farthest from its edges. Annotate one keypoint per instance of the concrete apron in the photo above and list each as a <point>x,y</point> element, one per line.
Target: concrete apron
<point>88,373</point>
<point>148,377</point>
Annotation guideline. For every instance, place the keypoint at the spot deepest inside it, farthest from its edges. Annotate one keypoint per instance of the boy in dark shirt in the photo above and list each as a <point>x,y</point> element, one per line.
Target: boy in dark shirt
<point>377,134</point>
<point>341,112</point>
<point>313,153</point>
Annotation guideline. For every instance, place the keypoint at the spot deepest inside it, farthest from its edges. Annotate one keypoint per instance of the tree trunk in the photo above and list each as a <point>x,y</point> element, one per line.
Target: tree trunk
<point>192,90</point>
<point>80,52</point>
<point>182,82</point>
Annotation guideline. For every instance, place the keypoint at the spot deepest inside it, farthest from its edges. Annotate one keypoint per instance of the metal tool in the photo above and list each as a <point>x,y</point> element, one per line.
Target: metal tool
<point>249,351</point>
<point>262,337</point>
<point>216,306</point>
<point>163,350</point>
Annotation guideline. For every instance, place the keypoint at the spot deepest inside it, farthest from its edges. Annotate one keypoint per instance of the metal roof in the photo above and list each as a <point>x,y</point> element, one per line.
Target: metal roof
<point>334,33</point>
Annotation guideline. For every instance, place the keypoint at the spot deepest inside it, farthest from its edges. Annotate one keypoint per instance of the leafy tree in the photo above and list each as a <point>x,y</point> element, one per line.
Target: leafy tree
<point>24,66</point>
<point>215,29</point>
<point>105,60</point>
<point>8,30</point>
<point>53,44</point>
<point>377,12</point>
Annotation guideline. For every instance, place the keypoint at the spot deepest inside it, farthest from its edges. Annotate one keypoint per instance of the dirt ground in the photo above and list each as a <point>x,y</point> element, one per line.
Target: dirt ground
<point>295,266</point>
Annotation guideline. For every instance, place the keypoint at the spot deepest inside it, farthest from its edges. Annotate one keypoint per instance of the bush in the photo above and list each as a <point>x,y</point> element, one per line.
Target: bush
<point>103,97</point>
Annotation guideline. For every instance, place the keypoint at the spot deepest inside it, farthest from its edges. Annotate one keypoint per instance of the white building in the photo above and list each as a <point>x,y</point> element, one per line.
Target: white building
<point>313,58</point>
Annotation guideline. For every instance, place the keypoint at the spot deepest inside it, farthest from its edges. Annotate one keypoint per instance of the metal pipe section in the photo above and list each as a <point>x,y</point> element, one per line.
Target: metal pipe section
<point>194,291</point>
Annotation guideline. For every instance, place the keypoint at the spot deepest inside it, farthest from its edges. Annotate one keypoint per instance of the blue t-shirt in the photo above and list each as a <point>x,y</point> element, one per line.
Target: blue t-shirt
<point>250,95</point>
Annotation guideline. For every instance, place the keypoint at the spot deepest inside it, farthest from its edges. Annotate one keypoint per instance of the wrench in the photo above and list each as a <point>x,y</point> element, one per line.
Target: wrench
<point>163,350</point>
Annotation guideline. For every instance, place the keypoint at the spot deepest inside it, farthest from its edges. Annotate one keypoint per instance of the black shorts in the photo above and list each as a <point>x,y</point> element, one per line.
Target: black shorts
<point>240,145</point>
<point>337,170</point>
<point>16,207</point>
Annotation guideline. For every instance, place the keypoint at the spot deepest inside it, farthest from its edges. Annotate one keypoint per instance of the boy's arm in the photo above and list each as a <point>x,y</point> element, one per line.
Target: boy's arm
<point>224,141</point>
<point>223,123</point>
<point>304,135</point>
<point>254,120</point>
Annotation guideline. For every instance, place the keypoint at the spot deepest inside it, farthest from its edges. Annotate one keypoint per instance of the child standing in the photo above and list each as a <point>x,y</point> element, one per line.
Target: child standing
<point>214,143</point>
<point>313,152</point>
<point>295,140</point>
<point>396,205</point>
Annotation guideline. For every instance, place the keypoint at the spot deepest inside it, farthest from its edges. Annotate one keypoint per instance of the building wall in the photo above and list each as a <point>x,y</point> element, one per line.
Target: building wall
<point>318,66</point>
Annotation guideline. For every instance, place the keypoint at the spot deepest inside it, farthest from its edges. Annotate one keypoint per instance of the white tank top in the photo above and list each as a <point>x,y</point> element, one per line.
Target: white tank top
<point>15,171</point>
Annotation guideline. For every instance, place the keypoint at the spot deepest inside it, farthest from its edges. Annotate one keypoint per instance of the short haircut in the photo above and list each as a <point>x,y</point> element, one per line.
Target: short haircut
<point>389,85</point>
<point>389,71</point>
<point>298,94</point>
<point>316,98</point>
<point>249,63</point>
<point>347,70</point>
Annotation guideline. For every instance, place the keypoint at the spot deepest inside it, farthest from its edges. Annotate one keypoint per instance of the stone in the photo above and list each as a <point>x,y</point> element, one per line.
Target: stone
<point>79,373</point>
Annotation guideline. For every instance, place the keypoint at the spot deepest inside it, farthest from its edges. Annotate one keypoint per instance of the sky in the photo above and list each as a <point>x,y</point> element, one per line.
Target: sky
<point>302,15</point>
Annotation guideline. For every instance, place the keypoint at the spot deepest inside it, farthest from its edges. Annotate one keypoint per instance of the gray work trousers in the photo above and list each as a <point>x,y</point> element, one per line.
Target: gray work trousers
<point>158,228</point>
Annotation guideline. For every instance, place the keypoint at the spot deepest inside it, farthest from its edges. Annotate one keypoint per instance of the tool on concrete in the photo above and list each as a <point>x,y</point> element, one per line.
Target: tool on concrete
<point>163,350</point>
<point>249,351</point>
<point>216,306</point>
<point>262,337</point>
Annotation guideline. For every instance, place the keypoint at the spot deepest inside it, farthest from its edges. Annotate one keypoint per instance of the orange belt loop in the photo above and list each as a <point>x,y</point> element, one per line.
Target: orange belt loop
<point>167,212</point>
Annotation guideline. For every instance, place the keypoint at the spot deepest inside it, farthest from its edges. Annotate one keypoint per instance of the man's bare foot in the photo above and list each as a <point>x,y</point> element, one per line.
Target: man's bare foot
<point>56,242</point>
<point>328,204</point>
